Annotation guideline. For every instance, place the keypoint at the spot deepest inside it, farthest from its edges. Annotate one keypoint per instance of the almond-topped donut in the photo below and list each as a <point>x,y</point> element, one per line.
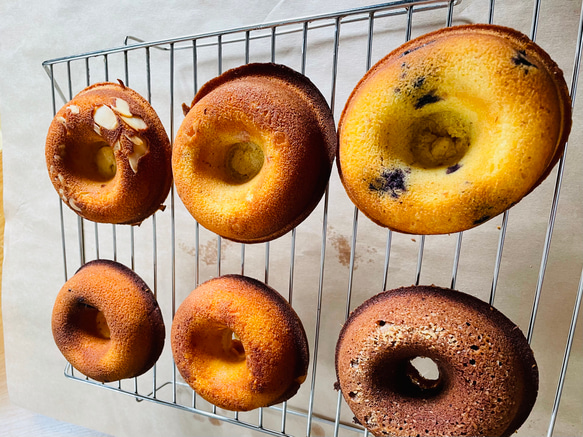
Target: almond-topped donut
<point>253,156</point>
<point>108,155</point>
<point>239,344</point>
<point>107,323</point>
<point>452,128</point>
<point>485,377</point>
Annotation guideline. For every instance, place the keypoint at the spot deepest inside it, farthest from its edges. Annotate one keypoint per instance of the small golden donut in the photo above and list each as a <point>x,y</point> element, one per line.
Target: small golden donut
<point>253,156</point>
<point>107,323</point>
<point>108,155</point>
<point>452,128</point>
<point>486,381</point>
<point>239,344</point>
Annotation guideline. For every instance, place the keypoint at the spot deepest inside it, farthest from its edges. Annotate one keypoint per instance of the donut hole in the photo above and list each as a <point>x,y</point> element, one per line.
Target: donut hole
<point>413,376</point>
<point>426,369</point>
<point>91,157</point>
<point>92,321</point>
<point>440,139</point>
<point>243,161</point>
<point>232,347</point>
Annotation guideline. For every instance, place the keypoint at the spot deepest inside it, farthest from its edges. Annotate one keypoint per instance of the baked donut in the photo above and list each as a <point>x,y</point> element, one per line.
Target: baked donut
<point>107,323</point>
<point>108,155</point>
<point>239,344</point>
<point>487,378</point>
<point>452,128</point>
<point>253,156</point>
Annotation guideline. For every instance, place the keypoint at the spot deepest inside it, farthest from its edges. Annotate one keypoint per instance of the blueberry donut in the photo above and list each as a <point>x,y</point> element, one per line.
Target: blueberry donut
<point>452,128</point>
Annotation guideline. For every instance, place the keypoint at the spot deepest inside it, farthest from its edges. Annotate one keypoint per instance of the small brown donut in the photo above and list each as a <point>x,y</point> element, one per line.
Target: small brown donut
<point>108,155</point>
<point>487,378</point>
<point>253,156</point>
<point>107,323</point>
<point>239,344</point>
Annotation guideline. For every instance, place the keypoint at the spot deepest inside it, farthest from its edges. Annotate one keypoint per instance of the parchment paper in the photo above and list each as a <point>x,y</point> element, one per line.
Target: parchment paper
<point>34,31</point>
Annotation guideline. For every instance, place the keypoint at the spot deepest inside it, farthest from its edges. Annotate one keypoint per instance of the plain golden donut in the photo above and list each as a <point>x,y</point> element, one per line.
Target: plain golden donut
<point>452,128</point>
<point>253,156</point>
<point>108,155</point>
<point>239,344</point>
<point>107,323</point>
<point>486,381</point>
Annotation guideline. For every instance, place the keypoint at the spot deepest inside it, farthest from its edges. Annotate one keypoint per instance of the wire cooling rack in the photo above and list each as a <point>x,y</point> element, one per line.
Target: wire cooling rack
<point>170,246</point>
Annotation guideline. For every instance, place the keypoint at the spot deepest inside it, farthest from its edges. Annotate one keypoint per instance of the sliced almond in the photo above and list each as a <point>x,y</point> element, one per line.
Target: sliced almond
<point>74,205</point>
<point>140,149</point>
<point>73,108</point>
<point>136,122</point>
<point>61,150</point>
<point>135,139</point>
<point>122,107</point>
<point>105,117</point>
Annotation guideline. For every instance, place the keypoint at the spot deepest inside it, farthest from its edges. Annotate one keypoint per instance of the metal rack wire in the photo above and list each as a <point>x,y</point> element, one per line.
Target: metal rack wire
<point>167,70</point>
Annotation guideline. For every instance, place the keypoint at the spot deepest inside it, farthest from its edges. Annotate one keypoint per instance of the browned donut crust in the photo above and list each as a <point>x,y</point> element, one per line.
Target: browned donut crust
<point>107,323</point>
<point>239,344</point>
<point>453,128</point>
<point>108,155</point>
<point>253,156</point>
<point>488,377</point>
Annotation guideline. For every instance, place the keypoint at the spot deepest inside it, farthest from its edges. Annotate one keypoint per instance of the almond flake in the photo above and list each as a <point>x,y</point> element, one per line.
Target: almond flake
<point>122,107</point>
<point>105,117</point>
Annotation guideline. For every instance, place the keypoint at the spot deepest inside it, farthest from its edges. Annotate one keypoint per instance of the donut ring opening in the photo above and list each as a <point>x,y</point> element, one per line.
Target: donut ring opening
<point>91,322</point>
<point>410,376</point>
<point>434,137</point>
<point>220,343</point>
<point>440,139</point>
<point>90,158</point>
<point>232,157</point>
<point>232,345</point>
<point>424,372</point>
<point>244,161</point>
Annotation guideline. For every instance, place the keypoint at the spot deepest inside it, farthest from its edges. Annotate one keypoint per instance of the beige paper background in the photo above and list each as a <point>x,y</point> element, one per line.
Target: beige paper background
<point>31,32</point>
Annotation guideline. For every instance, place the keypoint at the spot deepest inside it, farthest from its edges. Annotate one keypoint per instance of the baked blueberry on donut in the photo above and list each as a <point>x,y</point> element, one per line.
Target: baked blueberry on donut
<point>454,123</point>
<point>433,361</point>
<point>239,344</point>
<point>253,156</point>
<point>108,155</point>
<point>107,323</point>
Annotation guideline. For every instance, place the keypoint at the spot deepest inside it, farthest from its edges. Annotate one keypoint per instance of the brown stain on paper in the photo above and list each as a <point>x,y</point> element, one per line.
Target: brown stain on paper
<point>342,246</point>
